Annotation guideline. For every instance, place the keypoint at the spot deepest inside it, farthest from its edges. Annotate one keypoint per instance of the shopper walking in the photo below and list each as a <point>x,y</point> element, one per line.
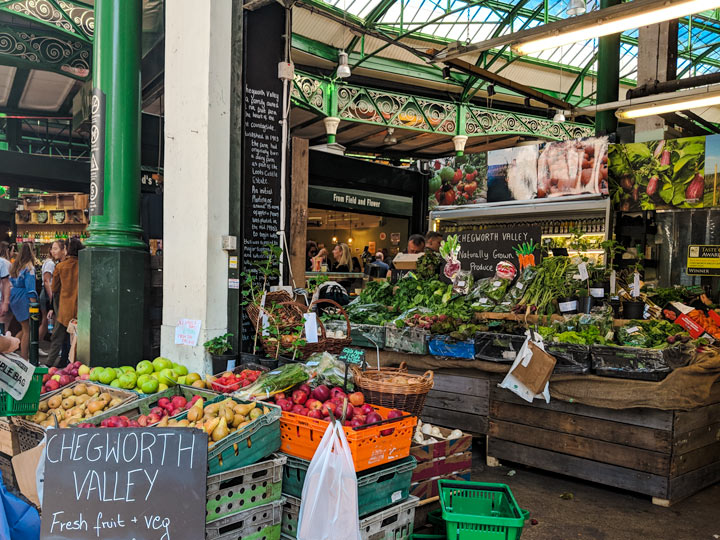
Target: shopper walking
<point>22,279</point>
<point>65,294</point>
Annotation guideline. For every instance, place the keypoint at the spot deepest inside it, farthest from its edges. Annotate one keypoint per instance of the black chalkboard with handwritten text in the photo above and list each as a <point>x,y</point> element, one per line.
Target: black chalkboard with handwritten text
<point>480,251</point>
<point>262,138</point>
<point>125,484</point>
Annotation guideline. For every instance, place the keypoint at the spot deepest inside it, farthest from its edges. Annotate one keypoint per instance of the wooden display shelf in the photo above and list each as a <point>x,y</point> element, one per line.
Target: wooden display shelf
<point>55,201</point>
<point>70,217</point>
<point>668,455</point>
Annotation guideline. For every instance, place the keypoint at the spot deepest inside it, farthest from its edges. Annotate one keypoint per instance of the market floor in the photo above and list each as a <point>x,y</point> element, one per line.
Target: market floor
<point>599,513</point>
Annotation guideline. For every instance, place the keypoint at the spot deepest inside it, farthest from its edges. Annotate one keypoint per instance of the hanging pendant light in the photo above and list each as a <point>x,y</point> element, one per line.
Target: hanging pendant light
<point>559,117</point>
<point>576,7</point>
<point>343,70</point>
<point>390,138</point>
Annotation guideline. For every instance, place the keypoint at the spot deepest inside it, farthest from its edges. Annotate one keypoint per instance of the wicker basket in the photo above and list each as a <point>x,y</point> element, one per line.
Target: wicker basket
<point>271,298</point>
<point>324,343</point>
<point>378,389</point>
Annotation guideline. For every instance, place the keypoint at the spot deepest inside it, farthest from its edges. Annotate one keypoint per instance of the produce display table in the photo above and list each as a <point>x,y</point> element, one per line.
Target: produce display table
<point>667,454</point>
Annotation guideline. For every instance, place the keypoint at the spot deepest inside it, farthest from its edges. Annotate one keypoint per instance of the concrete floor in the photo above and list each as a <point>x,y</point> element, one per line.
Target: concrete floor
<point>596,512</point>
<point>601,513</point>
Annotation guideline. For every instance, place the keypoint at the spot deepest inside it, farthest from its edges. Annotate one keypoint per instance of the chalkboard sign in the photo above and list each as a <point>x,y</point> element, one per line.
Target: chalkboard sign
<point>262,134</point>
<point>352,356</point>
<point>125,484</point>
<point>480,251</point>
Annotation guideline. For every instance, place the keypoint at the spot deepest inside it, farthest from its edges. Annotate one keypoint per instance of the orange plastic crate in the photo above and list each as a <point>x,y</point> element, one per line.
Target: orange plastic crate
<point>300,436</point>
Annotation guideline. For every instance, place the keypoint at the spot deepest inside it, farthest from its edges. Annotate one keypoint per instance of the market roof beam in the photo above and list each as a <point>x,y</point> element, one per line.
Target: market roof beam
<point>688,126</point>
<point>700,120</point>
<point>493,78</point>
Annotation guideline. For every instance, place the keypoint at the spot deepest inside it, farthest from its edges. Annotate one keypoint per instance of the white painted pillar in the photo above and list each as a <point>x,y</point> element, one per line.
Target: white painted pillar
<point>197,153</point>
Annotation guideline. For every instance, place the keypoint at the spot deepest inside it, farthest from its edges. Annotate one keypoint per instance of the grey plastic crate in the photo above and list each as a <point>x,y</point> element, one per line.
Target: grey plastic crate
<point>260,523</point>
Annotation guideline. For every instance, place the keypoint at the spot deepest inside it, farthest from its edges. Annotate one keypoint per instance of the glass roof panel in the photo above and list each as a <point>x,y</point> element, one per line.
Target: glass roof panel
<point>471,21</point>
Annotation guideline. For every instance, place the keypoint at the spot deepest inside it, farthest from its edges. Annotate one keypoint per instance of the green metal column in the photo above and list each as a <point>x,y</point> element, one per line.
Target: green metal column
<point>112,268</point>
<point>608,80</point>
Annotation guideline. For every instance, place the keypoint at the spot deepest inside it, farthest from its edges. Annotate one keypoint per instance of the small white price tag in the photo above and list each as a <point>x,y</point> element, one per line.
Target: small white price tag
<point>396,496</point>
<point>265,325</point>
<point>311,328</point>
<point>520,285</point>
<point>632,329</point>
<point>568,306</point>
<point>597,292</point>
<point>262,300</point>
<point>582,268</point>
<point>610,335</point>
<point>613,282</point>
<point>636,285</point>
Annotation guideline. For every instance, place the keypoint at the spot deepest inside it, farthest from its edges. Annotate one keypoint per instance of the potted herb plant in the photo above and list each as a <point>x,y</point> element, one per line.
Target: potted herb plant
<point>612,249</point>
<point>585,302</point>
<point>218,348</point>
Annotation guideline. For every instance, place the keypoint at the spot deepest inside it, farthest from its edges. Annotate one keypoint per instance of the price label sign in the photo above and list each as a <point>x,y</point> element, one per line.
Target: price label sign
<point>15,375</point>
<point>352,356</point>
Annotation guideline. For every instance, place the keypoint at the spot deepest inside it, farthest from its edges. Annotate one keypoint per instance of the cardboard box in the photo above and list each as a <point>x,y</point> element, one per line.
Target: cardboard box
<point>8,438</point>
<point>406,261</point>
<point>445,459</point>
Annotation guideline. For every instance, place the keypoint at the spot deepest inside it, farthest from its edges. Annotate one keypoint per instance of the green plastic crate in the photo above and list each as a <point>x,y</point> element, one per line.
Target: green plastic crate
<point>256,441</point>
<point>480,511</point>
<point>9,406</point>
<point>377,488</point>
<point>362,334</point>
<point>232,492</point>
<point>143,405</point>
<point>259,523</point>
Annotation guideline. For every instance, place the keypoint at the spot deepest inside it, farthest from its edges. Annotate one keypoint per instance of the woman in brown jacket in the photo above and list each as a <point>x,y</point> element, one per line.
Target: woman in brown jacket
<point>65,295</point>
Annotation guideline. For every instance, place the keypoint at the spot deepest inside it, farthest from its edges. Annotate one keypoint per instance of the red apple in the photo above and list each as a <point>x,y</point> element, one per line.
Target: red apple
<point>360,418</point>
<point>314,413</point>
<point>176,412</point>
<point>285,404</point>
<point>321,393</point>
<point>305,411</point>
<point>158,411</point>
<point>356,422</point>
<point>142,420</point>
<point>46,378</point>
<point>299,397</point>
<point>51,385</point>
<point>297,408</point>
<point>194,398</point>
<point>313,404</point>
<point>163,402</point>
<point>329,407</point>
<point>374,417</point>
<point>134,423</point>
<point>305,388</point>
<point>179,402</point>
<point>347,423</point>
<point>52,371</point>
<point>85,377</point>
<point>394,414</point>
<point>153,418</point>
<point>279,395</point>
<point>65,380</point>
<point>367,409</point>
<point>350,412</point>
<point>357,398</point>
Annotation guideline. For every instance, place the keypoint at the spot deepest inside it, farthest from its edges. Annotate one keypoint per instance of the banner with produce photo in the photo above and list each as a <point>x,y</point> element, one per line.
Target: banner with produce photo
<point>712,168</point>
<point>512,174</point>
<point>573,167</point>
<point>660,174</point>
<point>458,180</point>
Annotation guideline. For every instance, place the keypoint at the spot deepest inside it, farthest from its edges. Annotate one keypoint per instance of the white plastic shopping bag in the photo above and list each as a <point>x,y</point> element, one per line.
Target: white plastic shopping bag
<point>329,507</point>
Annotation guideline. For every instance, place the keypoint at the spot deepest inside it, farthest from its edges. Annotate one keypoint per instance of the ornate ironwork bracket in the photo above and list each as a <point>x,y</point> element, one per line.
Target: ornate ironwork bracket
<point>379,107</point>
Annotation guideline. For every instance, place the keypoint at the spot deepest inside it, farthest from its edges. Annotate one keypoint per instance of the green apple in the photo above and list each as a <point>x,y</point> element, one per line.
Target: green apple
<point>116,383</point>
<point>161,363</point>
<point>181,379</point>
<point>162,387</point>
<point>118,372</point>
<point>55,377</point>
<point>155,375</point>
<point>144,367</point>
<point>191,378</point>
<point>150,386</point>
<point>128,380</point>
<point>168,377</point>
<point>127,369</point>
<point>142,379</point>
<point>107,375</point>
<point>180,370</point>
<point>95,373</point>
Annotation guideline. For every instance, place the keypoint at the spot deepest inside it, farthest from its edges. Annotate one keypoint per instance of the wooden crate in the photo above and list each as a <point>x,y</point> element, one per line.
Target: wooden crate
<point>443,459</point>
<point>668,455</point>
<point>8,438</point>
<point>458,401</point>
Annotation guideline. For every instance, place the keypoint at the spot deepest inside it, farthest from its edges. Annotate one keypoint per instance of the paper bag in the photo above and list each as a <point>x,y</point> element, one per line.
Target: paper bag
<point>25,466</point>
<point>535,370</point>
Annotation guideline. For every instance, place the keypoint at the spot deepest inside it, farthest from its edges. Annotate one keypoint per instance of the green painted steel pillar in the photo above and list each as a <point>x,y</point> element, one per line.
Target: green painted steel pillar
<point>608,80</point>
<point>112,267</point>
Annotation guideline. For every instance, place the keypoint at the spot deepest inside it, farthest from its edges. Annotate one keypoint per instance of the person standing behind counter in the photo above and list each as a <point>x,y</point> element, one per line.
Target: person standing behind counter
<point>433,240</point>
<point>416,244</point>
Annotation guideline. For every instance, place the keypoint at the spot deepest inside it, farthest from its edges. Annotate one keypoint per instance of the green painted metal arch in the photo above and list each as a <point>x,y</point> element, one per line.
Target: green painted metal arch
<point>72,17</point>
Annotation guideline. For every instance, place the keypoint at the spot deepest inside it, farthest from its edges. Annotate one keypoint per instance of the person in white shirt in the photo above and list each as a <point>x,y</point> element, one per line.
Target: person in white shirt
<point>57,253</point>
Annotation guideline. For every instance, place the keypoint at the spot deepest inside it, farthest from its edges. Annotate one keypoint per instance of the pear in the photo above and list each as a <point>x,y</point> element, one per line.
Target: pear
<point>211,424</point>
<point>68,402</point>
<point>183,423</point>
<point>238,420</point>
<point>221,431</point>
<point>43,406</point>
<point>66,393</point>
<point>255,413</point>
<point>114,402</point>
<point>212,409</point>
<point>80,389</point>
<point>244,409</point>
<point>55,401</point>
<point>96,406</point>
<point>93,390</point>
<point>163,422</point>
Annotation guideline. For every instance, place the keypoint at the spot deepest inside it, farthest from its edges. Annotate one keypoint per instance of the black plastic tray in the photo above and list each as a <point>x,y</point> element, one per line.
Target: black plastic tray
<point>571,358</point>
